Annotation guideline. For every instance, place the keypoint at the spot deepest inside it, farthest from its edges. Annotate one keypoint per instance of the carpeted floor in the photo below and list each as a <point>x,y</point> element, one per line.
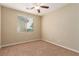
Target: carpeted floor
<point>36,48</point>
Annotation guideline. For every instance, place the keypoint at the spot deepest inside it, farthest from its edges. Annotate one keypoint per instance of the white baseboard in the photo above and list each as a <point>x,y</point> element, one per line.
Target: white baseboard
<point>17,43</point>
<point>43,40</point>
<point>62,46</point>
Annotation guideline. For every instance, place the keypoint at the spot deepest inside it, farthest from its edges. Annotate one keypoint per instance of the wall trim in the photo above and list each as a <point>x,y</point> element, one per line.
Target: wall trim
<point>11,44</point>
<point>62,46</point>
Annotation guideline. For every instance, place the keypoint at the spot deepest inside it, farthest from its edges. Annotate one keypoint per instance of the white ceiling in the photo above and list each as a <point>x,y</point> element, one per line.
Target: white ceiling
<point>23,6</point>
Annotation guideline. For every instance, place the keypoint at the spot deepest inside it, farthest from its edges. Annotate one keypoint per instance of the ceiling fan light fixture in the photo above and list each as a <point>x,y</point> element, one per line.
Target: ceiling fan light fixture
<point>37,7</point>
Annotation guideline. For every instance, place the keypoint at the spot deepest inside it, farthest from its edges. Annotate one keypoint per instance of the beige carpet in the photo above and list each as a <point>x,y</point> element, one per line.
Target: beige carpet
<point>36,48</point>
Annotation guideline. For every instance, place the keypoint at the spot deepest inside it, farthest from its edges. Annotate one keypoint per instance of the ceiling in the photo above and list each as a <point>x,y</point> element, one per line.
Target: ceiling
<point>23,6</point>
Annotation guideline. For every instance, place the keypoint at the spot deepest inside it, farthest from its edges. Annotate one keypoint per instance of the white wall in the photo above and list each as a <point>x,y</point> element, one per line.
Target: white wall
<point>62,26</point>
<point>10,24</point>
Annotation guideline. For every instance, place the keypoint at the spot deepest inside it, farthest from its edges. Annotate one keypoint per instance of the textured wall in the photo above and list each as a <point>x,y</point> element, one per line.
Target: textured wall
<point>9,27</point>
<point>62,26</point>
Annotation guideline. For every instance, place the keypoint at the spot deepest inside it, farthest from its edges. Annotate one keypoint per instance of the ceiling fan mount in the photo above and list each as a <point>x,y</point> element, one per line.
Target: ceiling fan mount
<point>37,6</point>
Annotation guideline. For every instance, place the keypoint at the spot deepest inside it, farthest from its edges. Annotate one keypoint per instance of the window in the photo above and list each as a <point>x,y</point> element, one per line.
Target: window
<point>25,24</point>
<point>30,24</point>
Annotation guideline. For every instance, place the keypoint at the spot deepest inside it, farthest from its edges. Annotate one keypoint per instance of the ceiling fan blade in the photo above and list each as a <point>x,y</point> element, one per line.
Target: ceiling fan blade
<point>45,7</point>
<point>38,10</point>
<point>30,8</point>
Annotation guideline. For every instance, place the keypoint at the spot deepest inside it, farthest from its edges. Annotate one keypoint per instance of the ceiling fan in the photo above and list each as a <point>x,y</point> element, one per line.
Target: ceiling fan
<point>37,6</point>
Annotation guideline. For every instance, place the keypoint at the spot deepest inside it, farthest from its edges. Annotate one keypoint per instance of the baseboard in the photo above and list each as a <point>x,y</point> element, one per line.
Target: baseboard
<point>43,40</point>
<point>11,44</point>
<point>62,46</point>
